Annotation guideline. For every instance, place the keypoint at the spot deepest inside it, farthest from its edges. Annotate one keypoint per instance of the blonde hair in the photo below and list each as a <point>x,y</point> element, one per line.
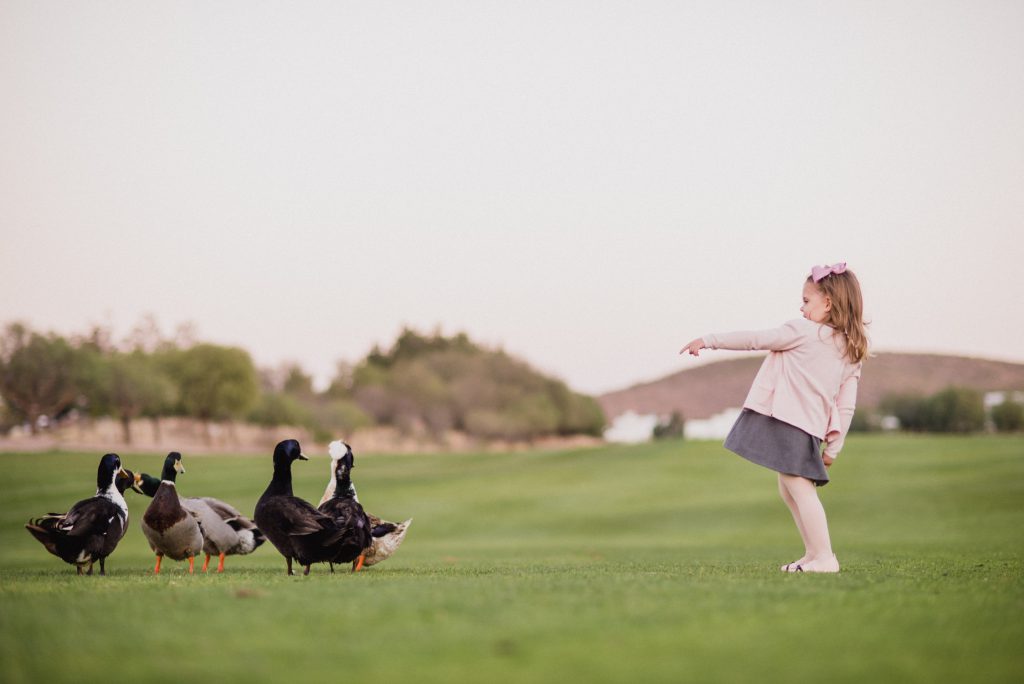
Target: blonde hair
<point>847,311</point>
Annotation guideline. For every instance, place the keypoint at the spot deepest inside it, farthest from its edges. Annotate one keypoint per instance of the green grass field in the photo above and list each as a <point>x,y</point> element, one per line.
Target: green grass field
<point>653,563</point>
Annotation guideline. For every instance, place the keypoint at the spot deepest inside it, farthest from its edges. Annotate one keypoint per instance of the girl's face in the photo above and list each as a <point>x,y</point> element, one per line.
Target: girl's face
<point>816,304</point>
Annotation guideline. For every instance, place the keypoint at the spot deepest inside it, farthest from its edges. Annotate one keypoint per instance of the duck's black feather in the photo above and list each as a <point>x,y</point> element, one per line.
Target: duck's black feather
<point>351,520</point>
<point>379,531</point>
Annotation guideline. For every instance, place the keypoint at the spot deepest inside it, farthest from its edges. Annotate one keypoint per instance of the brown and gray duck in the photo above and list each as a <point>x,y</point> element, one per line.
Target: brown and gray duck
<point>225,530</point>
<point>169,527</point>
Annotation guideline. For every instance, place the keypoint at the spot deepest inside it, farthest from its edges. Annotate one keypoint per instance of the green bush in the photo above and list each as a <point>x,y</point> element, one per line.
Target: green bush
<point>910,409</point>
<point>341,417</point>
<point>277,408</point>
<point>1008,416</point>
<point>673,428</point>
<point>866,420</point>
<point>954,409</point>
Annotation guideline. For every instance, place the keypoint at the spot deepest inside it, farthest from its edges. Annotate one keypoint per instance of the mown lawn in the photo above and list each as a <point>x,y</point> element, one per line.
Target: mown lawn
<point>653,563</point>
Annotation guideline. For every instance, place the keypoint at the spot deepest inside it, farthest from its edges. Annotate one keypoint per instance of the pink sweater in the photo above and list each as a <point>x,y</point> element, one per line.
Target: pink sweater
<point>806,381</point>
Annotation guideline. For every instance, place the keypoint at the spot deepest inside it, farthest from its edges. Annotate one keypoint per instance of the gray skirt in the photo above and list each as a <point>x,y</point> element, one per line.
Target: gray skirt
<point>780,446</point>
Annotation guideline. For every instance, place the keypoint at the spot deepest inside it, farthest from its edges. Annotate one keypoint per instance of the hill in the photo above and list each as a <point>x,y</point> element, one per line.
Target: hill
<point>703,391</point>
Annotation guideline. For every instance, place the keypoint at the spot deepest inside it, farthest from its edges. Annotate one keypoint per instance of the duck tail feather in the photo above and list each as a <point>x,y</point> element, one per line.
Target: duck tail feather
<point>43,535</point>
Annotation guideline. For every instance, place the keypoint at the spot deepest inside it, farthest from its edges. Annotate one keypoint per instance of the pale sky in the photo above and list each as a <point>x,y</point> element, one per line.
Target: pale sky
<point>587,184</point>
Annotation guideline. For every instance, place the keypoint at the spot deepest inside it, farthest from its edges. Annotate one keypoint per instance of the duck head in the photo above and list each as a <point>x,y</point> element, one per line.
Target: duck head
<point>125,480</point>
<point>106,474</point>
<point>342,461</point>
<point>145,484</point>
<point>288,451</point>
<point>172,466</point>
<point>109,470</point>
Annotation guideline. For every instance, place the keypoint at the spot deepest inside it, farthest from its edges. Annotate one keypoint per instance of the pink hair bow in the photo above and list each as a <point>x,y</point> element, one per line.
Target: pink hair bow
<point>819,272</point>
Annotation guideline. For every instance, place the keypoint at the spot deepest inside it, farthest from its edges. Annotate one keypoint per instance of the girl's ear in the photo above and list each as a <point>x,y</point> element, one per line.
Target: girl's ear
<point>828,303</point>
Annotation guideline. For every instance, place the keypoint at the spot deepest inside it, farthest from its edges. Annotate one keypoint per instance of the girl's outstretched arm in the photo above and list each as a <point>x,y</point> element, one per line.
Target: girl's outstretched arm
<point>782,338</point>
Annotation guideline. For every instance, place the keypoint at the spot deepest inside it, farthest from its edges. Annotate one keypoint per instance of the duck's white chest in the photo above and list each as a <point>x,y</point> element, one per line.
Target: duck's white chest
<point>115,497</point>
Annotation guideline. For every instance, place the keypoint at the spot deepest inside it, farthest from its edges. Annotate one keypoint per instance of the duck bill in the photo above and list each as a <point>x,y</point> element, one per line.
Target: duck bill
<point>302,457</point>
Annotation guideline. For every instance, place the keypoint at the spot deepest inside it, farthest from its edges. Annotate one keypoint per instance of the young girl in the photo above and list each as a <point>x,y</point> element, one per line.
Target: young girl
<point>804,393</point>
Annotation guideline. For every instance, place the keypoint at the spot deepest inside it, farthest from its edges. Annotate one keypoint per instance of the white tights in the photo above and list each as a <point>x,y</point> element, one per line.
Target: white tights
<point>801,497</point>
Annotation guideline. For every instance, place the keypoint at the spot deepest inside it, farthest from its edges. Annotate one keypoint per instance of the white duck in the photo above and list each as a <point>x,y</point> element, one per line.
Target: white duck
<point>387,536</point>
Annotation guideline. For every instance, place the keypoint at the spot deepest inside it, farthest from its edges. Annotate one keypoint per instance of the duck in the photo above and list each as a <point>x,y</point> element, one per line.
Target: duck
<point>144,483</point>
<point>92,528</point>
<point>225,530</point>
<point>348,514</point>
<point>386,536</point>
<point>296,529</point>
<point>169,527</point>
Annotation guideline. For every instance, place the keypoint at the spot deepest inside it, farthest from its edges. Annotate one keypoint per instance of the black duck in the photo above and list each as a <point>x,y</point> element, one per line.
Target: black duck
<point>299,531</point>
<point>91,530</point>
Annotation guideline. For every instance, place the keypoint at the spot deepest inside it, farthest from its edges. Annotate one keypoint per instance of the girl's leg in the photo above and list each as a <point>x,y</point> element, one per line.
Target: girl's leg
<point>815,526</point>
<point>791,505</point>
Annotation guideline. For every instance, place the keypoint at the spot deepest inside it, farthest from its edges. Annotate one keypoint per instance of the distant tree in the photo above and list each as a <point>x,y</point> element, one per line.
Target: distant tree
<point>39,374</point>
<point>412,345</point>
<point>955,409</point>
<point>92,375</point>
<point>910,410</point>
<point>435,383</point>
<point>278,408</point>
<point>338,418</point>
<point>531,416</point>
<point>584,416</point>
<point>673,428</point>
<point>342,382</point>
<point>577,413</point>
<point>136,387</point>
<point>214,382</point>
<point>297,382</point>
<point>7,419</point>
<point>420,396</point>
<point>1008,416</point>
<point>146,336</point>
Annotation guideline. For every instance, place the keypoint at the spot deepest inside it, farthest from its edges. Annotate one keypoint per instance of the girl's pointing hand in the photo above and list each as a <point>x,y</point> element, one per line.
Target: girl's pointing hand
<point>693,347</point>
